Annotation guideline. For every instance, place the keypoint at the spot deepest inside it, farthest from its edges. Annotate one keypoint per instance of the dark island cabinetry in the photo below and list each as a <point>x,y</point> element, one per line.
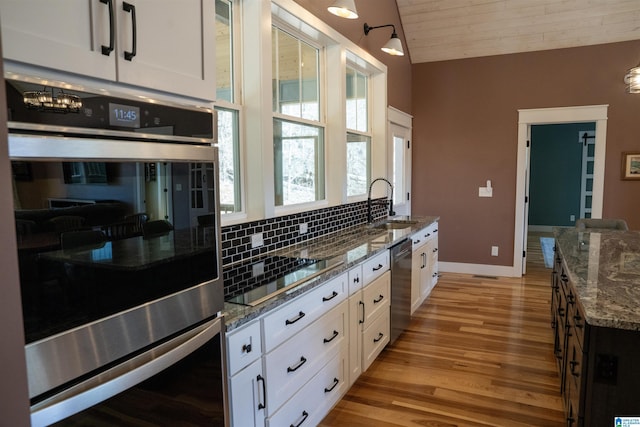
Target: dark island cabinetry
<point>595,316</point>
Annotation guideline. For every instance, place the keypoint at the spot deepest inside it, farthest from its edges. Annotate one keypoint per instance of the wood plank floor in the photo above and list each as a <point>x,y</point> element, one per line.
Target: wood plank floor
<point>479,352</point>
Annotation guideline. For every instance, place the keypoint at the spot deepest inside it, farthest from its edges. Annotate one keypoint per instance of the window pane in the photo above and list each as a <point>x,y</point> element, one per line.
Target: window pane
<point>224,51</point>
<point>357,102</point>
<point>229,158</point>
<point>398,169</point>
<point>298,162</point>
<point>357,164</point>
<point>296,90</point>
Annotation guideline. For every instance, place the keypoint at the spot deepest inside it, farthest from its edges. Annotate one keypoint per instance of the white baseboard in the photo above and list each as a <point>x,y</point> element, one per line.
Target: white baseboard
<point>481,269</point>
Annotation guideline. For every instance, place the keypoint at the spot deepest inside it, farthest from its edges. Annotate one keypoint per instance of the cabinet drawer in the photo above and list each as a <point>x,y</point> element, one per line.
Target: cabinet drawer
<point>375,267</point>
<point>355,280</point>
<point>280,324</point>
<point>375,338</point>
<point>317,397</point>
<point>292,364</point>
<point>376,296</point>
<point>421,237</point>
<point>244,346</point>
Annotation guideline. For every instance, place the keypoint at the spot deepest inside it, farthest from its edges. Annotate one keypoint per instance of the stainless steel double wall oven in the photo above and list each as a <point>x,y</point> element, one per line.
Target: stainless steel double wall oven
<point>118,235</point>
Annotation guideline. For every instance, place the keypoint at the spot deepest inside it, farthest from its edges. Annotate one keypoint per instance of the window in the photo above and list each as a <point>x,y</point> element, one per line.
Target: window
<point>228,111</point>
<point>358,139</point>
<point>297,130</point>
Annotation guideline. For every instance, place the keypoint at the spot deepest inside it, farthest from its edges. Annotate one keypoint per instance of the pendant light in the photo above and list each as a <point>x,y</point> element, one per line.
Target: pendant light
<point>344,9</point>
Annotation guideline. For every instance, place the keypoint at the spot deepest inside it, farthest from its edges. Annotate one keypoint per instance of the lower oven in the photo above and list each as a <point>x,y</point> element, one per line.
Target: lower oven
<point>118,237</point>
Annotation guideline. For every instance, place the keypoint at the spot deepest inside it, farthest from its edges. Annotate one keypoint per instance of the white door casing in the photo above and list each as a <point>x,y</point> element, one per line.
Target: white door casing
<point>399,159</point>
<point>527,118</point>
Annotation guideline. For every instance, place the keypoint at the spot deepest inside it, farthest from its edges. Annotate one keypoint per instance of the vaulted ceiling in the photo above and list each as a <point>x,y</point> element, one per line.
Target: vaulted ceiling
<point>437,30</point>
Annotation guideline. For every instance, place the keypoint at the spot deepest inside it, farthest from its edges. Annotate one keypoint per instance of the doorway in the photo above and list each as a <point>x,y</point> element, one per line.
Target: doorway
<point>560,183</point>
<point>529,118</point>
<point>400,160</point>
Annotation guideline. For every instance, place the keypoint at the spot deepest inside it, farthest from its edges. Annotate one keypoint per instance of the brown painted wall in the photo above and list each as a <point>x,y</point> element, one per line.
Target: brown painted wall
<point>465,132</point>
<point>374,12</point>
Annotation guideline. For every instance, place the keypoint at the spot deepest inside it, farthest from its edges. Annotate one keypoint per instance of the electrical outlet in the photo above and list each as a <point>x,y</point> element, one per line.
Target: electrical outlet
<point>257,269</point>
<point>494,251</point>
<point>256,240</point>
<point>303,228</point>
<point>572,218</point>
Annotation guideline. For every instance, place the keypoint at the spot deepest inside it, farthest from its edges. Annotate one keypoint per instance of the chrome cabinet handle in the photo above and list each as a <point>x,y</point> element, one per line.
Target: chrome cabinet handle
<point>106,50</point>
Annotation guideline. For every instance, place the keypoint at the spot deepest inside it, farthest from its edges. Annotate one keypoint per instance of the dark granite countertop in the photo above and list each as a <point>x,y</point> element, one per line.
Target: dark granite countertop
<point>605,270</point>
<point>348,247</point>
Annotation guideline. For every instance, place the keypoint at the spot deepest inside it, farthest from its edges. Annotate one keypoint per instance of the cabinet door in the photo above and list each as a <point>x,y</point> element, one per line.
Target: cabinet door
<point>174,46</point>
<point>356,319</point>
<point>417,265</point>
<point>63,35</point>
<point>247,399</point>
<point>426,273</point>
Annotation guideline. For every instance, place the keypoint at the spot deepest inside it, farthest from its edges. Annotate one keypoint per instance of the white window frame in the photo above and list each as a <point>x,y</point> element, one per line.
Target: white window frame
<point>237,106</point>
<point>352,63</point>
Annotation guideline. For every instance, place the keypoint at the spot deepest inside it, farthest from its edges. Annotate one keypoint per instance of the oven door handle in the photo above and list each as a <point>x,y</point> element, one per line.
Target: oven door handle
<point>123,376</point>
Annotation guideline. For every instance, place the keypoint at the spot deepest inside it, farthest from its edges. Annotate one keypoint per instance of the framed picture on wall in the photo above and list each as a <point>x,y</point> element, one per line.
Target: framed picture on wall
<point>631,166</point>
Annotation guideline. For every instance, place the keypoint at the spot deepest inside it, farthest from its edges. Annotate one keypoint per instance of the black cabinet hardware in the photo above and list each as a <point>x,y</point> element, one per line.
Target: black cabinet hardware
<point>128,7</point>
<point>333,295</point>
<point>335,383</point>
<point>298,365</point>
<point>335,334</point>
<point>295,319</point>
<point>106,50</point>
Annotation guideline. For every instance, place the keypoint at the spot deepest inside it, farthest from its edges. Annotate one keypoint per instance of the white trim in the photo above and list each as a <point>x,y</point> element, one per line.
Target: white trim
<point>541,228</point>
<point>483,269</point>
<point>526,118</point>
<point>399,118</point>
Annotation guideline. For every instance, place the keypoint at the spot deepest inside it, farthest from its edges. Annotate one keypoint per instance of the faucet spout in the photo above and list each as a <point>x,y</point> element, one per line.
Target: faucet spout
<point>369,204</point>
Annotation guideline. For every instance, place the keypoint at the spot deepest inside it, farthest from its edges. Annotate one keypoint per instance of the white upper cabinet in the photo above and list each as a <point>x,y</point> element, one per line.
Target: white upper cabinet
<point>164,45</point>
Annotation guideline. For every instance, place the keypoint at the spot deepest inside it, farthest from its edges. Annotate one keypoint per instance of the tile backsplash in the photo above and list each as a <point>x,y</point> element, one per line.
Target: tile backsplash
<point>280,232</point>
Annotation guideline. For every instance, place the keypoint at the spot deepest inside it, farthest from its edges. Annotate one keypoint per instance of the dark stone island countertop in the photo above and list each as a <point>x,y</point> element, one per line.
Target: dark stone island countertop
<point>348,247</point>
<point>604,268</point>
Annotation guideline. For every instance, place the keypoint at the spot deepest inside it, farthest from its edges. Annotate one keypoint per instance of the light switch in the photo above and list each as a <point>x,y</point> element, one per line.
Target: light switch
<point>256,240</point>
<point>485,192</point>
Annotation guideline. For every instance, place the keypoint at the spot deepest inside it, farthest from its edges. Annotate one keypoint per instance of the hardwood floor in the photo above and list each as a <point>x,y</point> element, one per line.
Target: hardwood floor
<point>479,352</point>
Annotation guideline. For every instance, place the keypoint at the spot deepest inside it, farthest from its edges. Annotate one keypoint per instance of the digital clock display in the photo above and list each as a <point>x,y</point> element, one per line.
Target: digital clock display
<point>124,115</point>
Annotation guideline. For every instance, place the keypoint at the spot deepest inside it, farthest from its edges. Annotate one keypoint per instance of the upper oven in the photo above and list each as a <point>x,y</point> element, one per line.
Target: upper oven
<point>118,236</point>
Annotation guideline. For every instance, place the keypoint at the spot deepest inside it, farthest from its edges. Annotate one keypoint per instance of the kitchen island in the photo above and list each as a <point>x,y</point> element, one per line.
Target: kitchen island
<point>596,320</point>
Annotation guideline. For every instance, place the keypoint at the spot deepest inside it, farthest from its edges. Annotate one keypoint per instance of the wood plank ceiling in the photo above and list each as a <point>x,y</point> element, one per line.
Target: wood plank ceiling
<point>438,30</point>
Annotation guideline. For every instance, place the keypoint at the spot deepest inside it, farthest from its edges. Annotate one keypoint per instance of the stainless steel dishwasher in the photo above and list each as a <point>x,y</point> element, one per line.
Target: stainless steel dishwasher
<point>400,288</point>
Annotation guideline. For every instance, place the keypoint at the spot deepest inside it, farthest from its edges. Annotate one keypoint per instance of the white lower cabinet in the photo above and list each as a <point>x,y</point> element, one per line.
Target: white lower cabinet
<point>312,403</point>
<point>247,396</point>
<point>369,317</point>
<point>424,264</point>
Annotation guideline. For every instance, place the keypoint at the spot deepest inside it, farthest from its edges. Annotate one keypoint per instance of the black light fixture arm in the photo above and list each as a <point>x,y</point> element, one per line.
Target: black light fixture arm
<point>368,28</point>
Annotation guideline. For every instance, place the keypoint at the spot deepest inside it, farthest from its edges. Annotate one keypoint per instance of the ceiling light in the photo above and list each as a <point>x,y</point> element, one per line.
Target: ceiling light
<point>632,80</point>
<point>393,46</point>
<point>344,9</point>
